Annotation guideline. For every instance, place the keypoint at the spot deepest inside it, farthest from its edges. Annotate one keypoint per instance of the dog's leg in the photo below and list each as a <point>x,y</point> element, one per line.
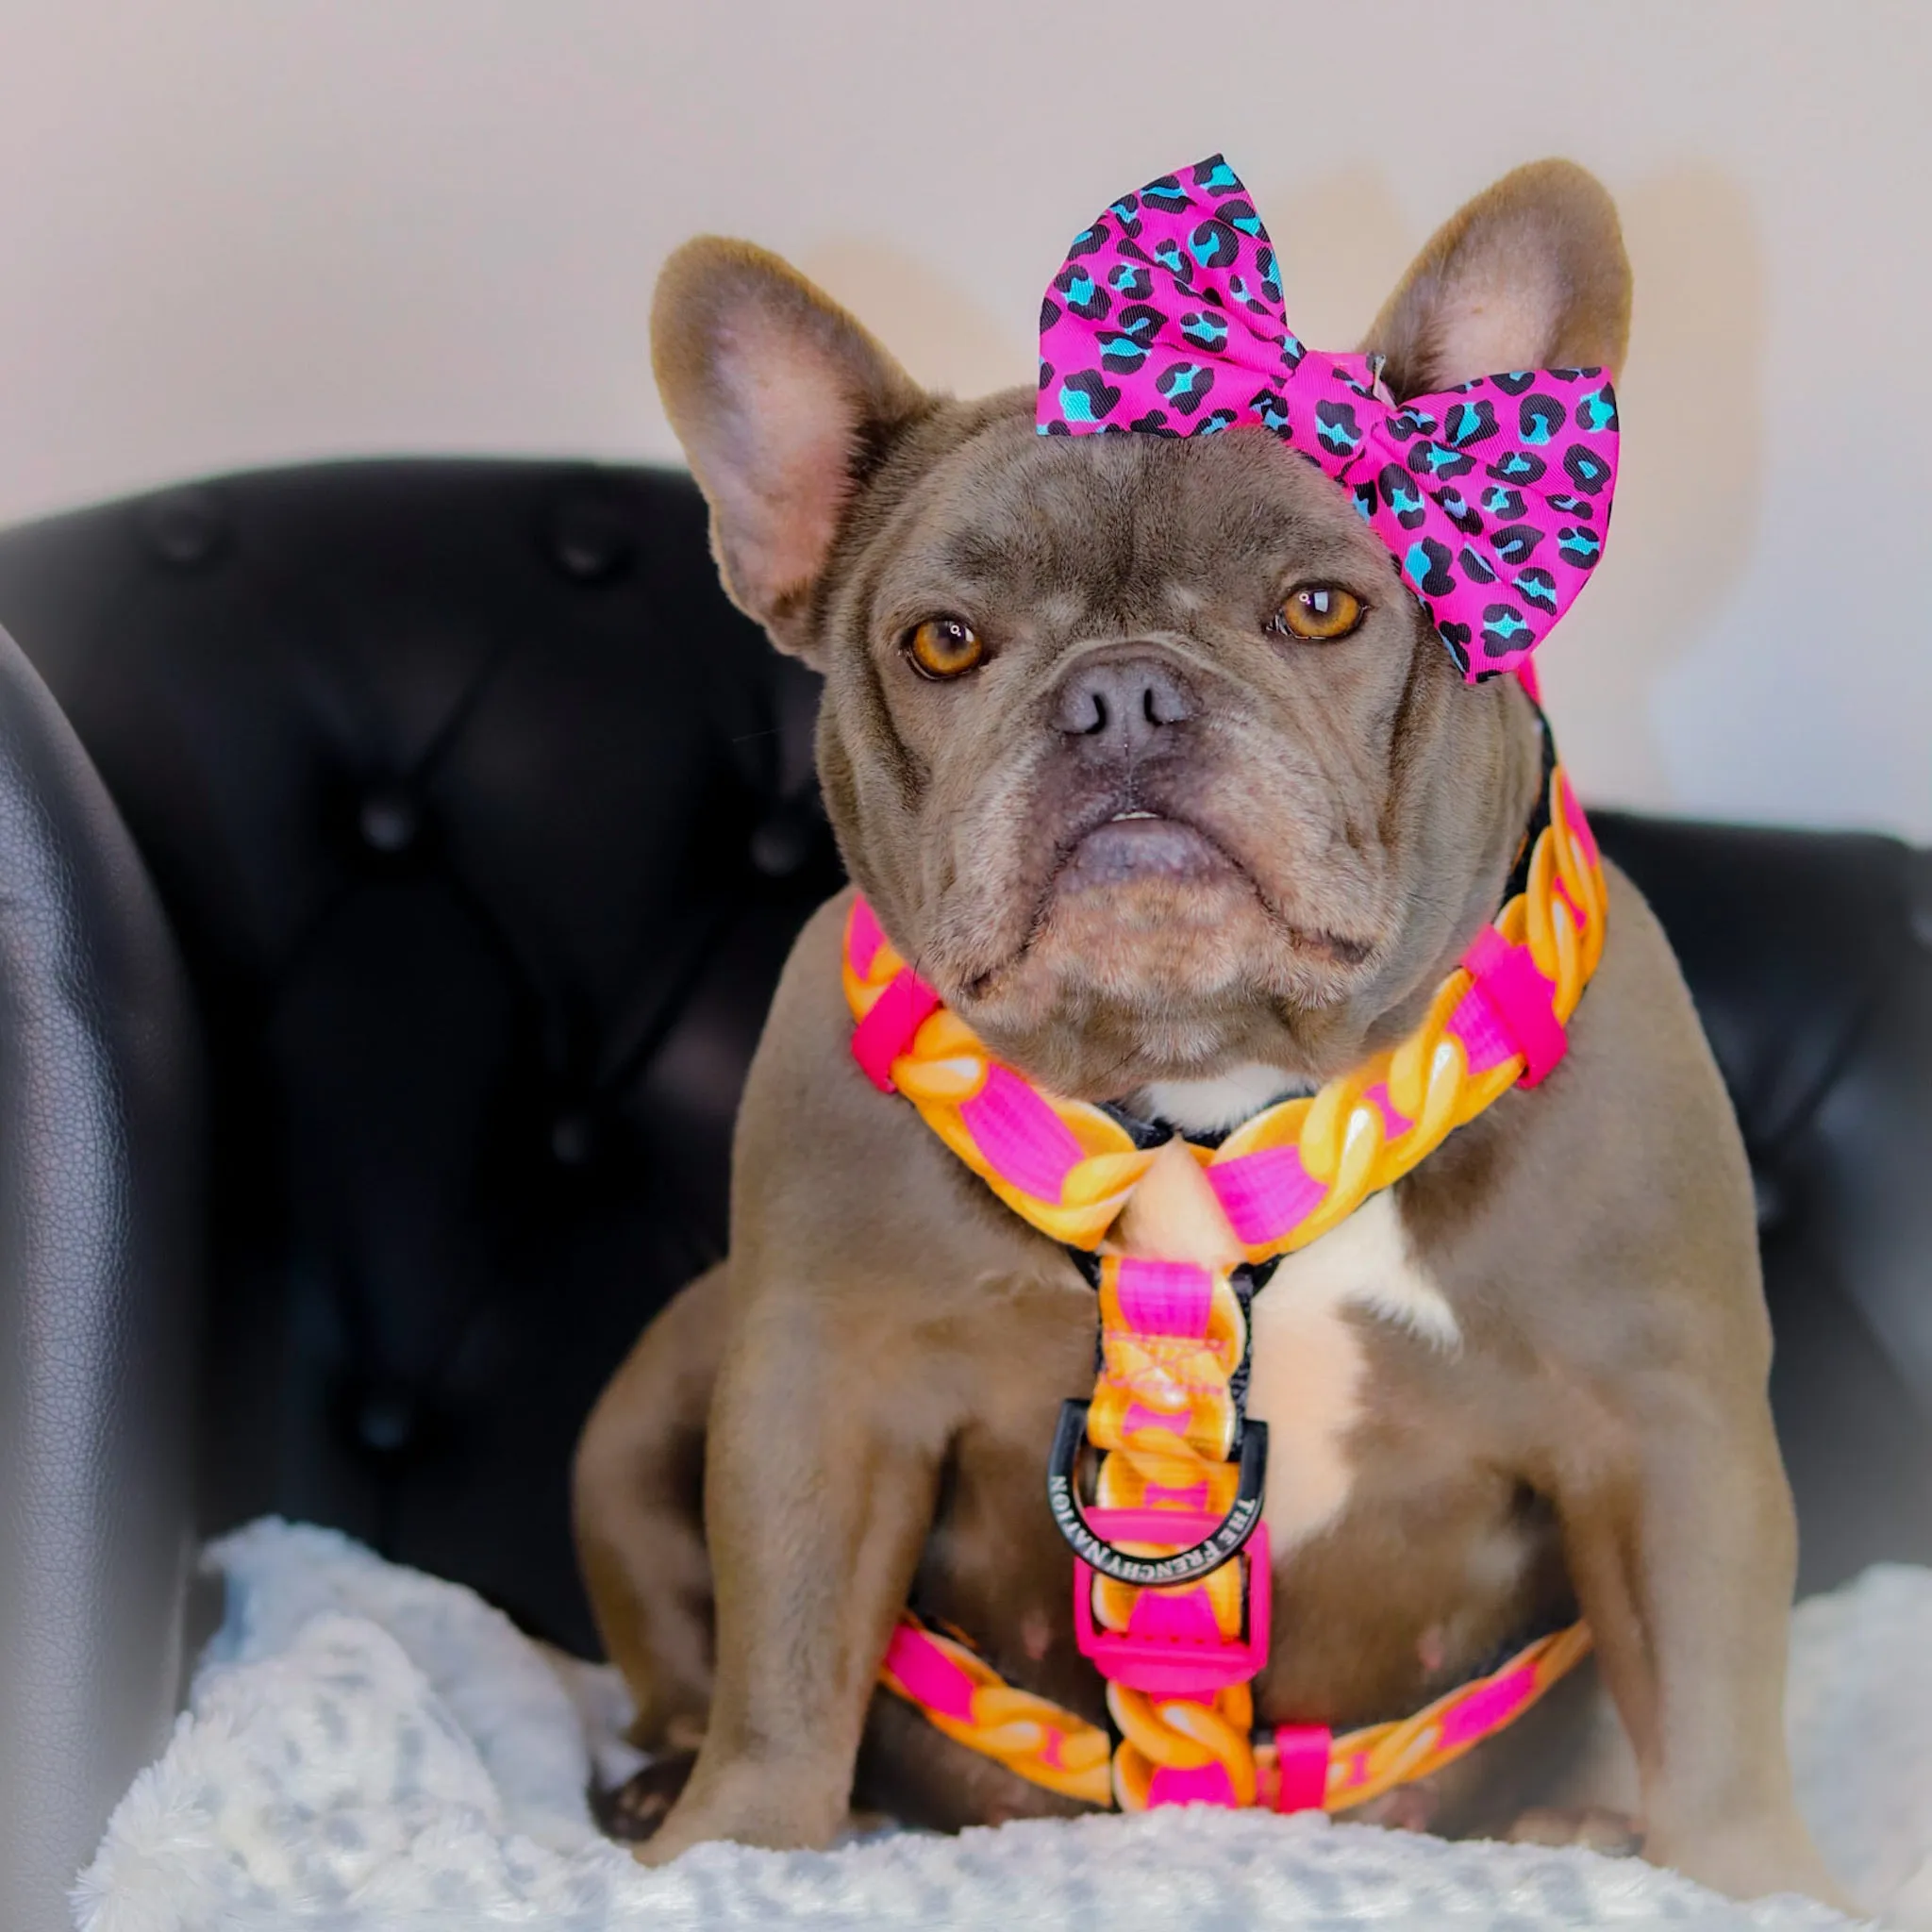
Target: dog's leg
<point>1681,1542</point>
<point>638,1506</point>
<point>820,1479</point>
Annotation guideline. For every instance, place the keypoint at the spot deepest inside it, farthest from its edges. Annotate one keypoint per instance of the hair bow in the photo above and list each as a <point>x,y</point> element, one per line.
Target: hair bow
<point>1493,497</point>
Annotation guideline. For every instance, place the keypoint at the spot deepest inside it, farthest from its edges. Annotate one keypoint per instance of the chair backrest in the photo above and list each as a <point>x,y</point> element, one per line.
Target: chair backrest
<point>100,1274</point>
<point>485,824</point>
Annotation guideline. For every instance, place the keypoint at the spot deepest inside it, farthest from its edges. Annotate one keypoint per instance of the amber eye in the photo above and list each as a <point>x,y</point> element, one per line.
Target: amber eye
<point>1319,613</point>
<point>944,647</point>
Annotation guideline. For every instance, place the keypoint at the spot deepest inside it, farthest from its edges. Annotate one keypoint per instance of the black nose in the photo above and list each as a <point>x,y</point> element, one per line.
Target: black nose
<point>1120,706</point>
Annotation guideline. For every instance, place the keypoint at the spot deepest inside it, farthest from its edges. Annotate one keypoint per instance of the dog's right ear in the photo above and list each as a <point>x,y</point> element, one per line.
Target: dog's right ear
<point>782,402</point>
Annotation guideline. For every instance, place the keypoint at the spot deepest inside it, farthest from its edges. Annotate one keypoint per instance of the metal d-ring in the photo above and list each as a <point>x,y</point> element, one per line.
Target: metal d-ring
<point>1184,1566</point>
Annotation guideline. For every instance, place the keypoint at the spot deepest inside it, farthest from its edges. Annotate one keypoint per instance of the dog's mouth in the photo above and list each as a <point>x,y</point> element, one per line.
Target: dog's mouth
<point>1122,846</point>
<point>1137,843</point>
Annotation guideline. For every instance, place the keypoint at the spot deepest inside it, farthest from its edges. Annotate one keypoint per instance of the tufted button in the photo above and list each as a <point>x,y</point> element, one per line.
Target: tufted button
<point>1919,893</point>
<point>1772,1201</point>
<point>385,1419</point>
<point>184,528</point>
<point>777,848</point>
<point>390,821</point>
<point>783,840</point>
<point>588,541</point>
<point>572,1138</point>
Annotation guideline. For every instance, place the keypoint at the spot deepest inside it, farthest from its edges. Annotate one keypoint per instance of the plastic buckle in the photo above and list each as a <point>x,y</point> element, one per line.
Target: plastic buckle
<point>1292,1767</point>
<point>1520,997</point>
<point>1174,1666</point>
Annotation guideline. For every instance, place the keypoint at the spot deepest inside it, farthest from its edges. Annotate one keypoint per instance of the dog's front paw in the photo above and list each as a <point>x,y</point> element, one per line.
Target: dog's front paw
<point>750,1805</point>
<point>1751,1860</point>
<point>635,1810</point>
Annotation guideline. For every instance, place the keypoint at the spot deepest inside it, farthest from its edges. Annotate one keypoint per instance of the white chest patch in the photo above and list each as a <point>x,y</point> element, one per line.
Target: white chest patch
<point>1306,1378</point>
<point>1207,1106</point>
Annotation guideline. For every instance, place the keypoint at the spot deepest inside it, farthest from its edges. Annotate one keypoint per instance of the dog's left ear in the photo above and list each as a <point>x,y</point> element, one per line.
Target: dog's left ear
<point>1530,274</point>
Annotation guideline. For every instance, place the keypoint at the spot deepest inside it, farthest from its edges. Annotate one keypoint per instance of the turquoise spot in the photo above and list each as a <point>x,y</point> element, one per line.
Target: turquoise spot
<point>1595,411</point>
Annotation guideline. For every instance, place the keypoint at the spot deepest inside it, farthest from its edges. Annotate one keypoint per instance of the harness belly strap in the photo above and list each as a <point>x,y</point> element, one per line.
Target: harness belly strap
<point>1173,1578</point>
<point>1297,1768</point>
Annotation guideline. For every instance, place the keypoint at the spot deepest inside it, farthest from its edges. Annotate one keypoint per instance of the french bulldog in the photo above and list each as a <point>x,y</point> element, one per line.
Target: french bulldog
<point>1156,846</point>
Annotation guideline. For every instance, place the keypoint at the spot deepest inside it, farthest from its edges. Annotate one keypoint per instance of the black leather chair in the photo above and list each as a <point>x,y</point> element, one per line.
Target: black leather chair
<point>482,824</point>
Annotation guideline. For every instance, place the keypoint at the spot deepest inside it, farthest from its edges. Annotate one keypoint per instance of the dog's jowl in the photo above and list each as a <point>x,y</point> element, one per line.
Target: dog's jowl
<point>1229,975</point>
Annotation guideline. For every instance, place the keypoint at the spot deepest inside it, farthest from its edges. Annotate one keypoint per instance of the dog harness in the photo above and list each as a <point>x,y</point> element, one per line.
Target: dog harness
<point>1166,319</point>
<point>1172,1574</point>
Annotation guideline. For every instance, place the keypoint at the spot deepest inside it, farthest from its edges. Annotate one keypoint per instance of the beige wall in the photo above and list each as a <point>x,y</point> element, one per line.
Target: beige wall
<point>243,231</point>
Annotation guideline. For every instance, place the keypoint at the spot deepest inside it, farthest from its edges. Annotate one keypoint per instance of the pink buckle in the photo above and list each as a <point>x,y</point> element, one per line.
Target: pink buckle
<point>1520,998</point>
<point>887,1031</point>
<point>1301,1774</point>
<point>1174,1666</point>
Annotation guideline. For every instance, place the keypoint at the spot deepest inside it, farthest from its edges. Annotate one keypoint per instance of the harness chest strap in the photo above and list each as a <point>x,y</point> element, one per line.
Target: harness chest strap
<point>1167,1414</point>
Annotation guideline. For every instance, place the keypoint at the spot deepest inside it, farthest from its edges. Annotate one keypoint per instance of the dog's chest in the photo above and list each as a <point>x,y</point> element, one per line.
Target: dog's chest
<point>1310,1359</point>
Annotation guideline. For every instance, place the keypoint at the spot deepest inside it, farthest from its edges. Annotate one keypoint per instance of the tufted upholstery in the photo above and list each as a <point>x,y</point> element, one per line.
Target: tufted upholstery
<point>1811,956</point>
<point>483,824</point>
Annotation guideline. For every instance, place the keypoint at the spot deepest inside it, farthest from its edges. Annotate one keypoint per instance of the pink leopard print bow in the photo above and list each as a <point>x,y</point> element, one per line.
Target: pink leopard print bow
<point>1493,497</point>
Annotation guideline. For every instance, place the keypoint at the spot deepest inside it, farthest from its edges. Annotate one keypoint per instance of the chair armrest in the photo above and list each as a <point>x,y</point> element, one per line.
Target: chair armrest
<point>100,1231</point>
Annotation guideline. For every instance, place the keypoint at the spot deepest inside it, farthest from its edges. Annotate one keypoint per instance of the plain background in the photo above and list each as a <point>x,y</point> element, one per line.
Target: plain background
<point>249,231</point>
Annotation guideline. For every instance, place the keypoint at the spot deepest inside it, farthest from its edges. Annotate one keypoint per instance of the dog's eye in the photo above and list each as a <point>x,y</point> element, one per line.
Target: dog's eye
<point>944,647</point>
<point>1319,613</point>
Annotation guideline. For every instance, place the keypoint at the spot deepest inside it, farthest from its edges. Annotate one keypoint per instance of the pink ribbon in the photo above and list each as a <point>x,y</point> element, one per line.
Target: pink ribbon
<point>1494,497</point>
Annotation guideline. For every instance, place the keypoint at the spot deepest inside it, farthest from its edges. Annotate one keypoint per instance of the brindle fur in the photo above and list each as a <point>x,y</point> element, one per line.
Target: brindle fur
<point>857,1402</point>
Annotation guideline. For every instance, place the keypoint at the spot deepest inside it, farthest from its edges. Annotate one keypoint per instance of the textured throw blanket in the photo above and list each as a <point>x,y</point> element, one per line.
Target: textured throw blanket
<point>370,1750</point>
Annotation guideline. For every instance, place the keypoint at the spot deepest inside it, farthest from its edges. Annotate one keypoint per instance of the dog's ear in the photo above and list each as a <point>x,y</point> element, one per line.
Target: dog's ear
<point>781,401</point>
<point>1530,274</point>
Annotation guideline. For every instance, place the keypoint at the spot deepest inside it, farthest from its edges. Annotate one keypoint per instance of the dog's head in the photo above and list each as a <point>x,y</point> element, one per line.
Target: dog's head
<point>1140,749</point>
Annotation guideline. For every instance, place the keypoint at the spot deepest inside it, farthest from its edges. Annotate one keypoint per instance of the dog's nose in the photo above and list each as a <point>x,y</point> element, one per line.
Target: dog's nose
<point>1120,706</point>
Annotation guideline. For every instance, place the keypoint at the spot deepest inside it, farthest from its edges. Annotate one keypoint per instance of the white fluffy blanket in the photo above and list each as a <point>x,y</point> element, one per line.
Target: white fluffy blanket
<point>369,1748</point>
